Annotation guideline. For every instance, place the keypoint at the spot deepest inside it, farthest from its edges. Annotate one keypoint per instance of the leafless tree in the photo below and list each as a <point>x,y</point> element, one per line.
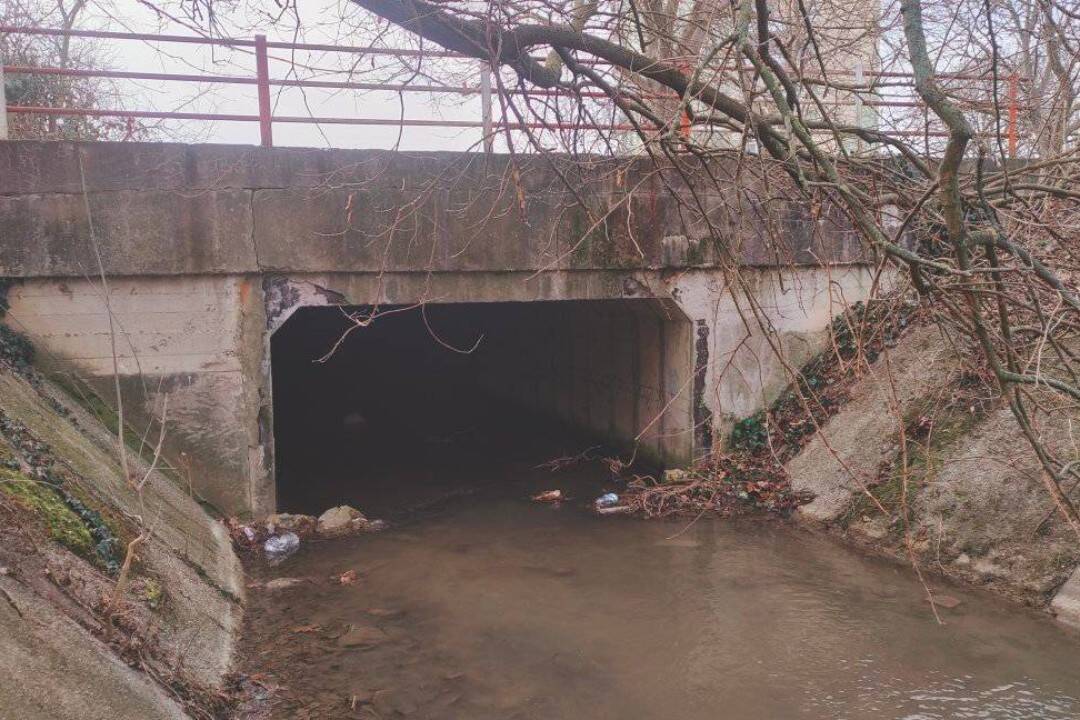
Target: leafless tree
<point>898,118</point>
<point>57,90</point>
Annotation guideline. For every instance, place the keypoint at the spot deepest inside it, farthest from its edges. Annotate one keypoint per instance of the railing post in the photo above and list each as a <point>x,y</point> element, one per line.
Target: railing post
<point>485,103</point>
<point>3,106</point>
<point>1014,113</point>
<point>262,69</point>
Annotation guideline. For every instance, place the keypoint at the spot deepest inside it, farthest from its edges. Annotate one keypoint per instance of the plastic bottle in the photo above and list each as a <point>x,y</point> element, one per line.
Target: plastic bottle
<point>606,500</point>
<point>279,547</point>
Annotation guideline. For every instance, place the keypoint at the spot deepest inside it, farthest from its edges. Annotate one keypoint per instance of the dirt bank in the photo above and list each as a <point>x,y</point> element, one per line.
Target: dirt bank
<point>926,457</point>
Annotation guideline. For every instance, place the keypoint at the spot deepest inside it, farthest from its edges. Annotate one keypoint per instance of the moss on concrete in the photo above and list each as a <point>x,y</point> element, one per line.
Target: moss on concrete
<point>51,480</point>
<point>81,458</point>
<point>63,525</point>
<point>932,432</point>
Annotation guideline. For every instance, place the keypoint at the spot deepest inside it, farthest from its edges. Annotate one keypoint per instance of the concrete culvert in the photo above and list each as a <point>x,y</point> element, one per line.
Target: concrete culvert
<point>398,408</point>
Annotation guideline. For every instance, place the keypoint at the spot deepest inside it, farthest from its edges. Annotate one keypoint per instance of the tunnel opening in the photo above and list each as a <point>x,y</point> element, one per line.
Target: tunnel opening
<point>408,407</point>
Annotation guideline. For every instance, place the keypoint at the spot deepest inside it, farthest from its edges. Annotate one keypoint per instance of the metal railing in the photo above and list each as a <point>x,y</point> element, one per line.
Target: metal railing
<point>260,47</point>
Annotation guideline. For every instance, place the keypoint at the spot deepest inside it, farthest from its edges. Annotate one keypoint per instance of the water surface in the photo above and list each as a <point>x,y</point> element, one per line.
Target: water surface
<point>498,607</point>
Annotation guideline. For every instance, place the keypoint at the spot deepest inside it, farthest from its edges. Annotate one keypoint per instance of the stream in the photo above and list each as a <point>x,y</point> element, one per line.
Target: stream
<point>488,605</point>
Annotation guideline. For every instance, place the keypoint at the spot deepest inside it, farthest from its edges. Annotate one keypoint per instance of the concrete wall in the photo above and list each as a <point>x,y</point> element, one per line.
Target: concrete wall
<point>163,209</point>
<point>746,326</point>
<point>203,342</point>
<point>620,371</point>
<point>193,632</point>
<point>194,339</point>
<point>209,249</point>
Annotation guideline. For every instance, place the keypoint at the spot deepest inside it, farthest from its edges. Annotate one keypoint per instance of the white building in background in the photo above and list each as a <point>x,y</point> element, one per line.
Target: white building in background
<point>847,35</point>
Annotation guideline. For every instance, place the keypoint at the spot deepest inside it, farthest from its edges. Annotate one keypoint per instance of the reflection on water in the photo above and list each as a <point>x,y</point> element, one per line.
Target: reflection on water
<point>496,607</point>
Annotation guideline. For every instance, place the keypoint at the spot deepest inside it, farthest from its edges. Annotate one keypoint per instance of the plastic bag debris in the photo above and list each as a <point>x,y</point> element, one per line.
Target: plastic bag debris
<point>279,547</point>
<point>244,536</point>
<point>606,500</point>
<point>549,496</point>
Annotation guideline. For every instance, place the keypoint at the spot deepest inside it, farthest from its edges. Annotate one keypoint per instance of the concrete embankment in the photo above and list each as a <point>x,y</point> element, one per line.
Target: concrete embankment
<point>66,514</point>
<point>970,484</point>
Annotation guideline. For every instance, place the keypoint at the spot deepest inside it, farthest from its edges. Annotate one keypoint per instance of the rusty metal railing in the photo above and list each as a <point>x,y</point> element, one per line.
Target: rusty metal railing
<point>264,116</point>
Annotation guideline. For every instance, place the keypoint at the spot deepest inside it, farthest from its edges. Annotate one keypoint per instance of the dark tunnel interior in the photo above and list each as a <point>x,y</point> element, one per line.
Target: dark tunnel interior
<point>408,408</point>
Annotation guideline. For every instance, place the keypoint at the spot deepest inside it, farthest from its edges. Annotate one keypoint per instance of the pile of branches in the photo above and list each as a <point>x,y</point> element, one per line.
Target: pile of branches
<point>728,486</point>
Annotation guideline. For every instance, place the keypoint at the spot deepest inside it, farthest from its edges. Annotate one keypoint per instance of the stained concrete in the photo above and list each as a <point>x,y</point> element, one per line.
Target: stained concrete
<point>617,371</point>
<point>54,670</point>
<point>209,249</point>
<point>189,209</point>
<point>189,551</point>
<point>195,339</point>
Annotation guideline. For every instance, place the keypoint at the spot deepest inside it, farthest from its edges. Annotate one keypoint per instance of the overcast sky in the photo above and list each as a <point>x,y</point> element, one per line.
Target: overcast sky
<point>323,22</point>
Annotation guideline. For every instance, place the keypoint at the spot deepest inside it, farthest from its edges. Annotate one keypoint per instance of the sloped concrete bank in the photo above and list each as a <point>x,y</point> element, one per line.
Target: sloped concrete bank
<point>166,650</point>
<point>969,483</point>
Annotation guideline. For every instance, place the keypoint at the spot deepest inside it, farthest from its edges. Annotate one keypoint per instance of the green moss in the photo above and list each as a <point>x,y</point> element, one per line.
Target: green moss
<point>931,432</point>
<point>153,593</point>
<point>111,525</point>
<point>579,250</point>
<point>63,524</point>
<point>54,483</point>
<point>750,434</point>
<point>589,246</point>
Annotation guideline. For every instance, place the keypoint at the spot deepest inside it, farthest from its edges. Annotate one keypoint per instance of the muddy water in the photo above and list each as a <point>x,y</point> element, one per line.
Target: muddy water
<point>495,607</point>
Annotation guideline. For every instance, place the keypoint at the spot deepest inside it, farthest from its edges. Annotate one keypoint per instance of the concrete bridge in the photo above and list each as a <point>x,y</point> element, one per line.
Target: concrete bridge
<point>591,290</point>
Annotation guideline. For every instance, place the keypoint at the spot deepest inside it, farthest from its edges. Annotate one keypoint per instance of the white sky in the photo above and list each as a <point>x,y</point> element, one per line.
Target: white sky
<point>335,22</point>
<point>322,24</point>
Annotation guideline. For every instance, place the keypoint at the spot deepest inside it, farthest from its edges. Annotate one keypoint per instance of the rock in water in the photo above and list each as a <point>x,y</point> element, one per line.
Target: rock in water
<point>947,601</point>
<point>675,476</point>
<point>302,525</point>
<point>362,636</point>
<point>341,520</point>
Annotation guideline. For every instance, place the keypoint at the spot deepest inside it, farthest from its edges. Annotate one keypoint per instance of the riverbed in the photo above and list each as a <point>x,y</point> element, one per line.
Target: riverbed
<point>489,605</point>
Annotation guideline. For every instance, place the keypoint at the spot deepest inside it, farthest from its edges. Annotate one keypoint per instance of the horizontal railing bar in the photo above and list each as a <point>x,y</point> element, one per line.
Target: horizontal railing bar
<point>408,122</point>
<point>229,79</point>
<point>113,35</point>
<point>347,85</point>
<point>127,75</point>
<point>225,42</point>
<point>165,115</point>
<point>158,114</point>
<point>405,52</point>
